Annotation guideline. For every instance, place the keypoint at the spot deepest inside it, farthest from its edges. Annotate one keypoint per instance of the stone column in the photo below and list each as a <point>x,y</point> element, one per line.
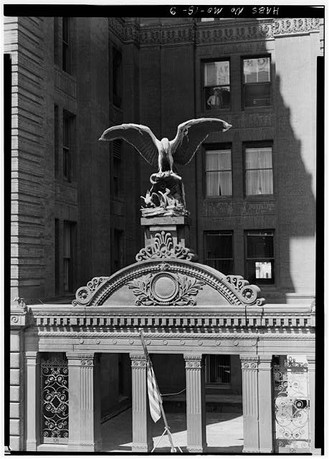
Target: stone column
<point>142,440</point>
<point>32,400</point>
<point>84,416</point>
<point>195,403</point>
<point>265,403</point>
<point>249,366</point>
<point>311,386</point>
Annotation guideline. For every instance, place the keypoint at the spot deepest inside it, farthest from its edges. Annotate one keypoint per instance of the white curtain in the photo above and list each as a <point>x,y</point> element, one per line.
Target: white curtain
<point>259,174</point>
<point>219,173</point>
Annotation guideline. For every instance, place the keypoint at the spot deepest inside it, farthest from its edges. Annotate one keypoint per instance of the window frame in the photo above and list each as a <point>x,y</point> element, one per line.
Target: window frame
<point>66,45</point>
<point>218,147</point>
<point>68,144</point>
<point>254,280</point>
<point>207,87</point>
<point>221,259</point>
<point>244,85</point>
<point>70,258</point>
<point>260,145</point>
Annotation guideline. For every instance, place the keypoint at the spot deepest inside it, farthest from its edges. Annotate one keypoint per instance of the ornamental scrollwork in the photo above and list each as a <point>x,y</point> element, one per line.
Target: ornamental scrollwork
<point>165,289</point>
<point>85,294</point>
<point>55,403</point>
<point>248,293</point>
<point>163,247</point>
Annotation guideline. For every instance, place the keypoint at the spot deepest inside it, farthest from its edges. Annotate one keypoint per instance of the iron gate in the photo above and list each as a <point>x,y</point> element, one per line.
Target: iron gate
<point>291,404</point>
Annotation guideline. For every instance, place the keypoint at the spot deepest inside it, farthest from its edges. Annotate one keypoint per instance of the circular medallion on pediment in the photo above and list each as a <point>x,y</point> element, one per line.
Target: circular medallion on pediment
<point>164,287</point>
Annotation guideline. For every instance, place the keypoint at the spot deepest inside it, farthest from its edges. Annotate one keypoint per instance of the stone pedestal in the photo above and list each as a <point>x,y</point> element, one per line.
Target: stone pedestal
<point>141,422</point>
<point>250,390</point>
<point>178,227</point>
<point>32,400</point>
<point>265,400</point>
<point>195,403</point>
<point>84,413</point>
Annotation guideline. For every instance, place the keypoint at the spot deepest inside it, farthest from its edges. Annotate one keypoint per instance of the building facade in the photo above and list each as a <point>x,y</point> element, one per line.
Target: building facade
<point>75,201</point>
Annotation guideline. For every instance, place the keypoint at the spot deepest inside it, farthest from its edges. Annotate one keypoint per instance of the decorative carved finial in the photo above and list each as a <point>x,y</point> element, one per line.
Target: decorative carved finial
<point>163,247</point>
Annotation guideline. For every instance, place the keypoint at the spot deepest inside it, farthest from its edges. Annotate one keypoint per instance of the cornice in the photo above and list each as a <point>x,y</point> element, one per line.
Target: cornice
<point>210,33</point>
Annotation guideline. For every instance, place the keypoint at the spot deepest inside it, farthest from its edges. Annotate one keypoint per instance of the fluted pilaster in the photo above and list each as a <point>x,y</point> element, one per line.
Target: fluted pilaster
<point>195,403</point>
<point>84,416</point>
<point>249,366</point>
<point>142,440</point>
<point>32,400</point>
<point>265,404</point>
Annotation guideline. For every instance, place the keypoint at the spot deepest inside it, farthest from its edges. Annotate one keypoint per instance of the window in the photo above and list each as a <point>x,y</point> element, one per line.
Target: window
<point>218,369</point>
<point>258,170</point>
<point>117,77</point>
<point>68,142</point>
<point>219,250</point>
<point>218,172</point>
<point>217,91</point>
<point>66,45</point>
<point>57,268</point>
<point>56,41</point>
<point>118,260</point>
<point>69,252</point>
<point>257,82</point>
<point>56,143</point>
<point>116,175</point>
<point>260,257</point>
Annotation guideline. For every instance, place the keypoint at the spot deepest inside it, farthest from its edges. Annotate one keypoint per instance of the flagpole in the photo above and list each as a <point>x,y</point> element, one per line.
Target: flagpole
<point>167,429</point>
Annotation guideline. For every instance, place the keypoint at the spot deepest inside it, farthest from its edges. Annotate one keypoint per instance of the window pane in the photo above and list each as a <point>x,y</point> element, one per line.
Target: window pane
<point>259,182</point>
<point>256,70</point>
<point>217,97</point>
<point>218,160</point>
<point>260,246</point>
<point>258,158</point>
<point>217,73</point>
<point>257,95</point>
<point>219,245</point>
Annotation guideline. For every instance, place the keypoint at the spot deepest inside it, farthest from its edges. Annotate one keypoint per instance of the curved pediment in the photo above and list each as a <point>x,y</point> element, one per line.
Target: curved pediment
<point>168,282</point>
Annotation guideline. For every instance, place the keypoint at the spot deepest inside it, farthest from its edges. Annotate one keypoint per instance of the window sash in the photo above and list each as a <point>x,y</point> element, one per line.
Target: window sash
<point>219,251</point>
<point>217,90</point>
<point>258,171</point>
<point>218,173</point>
<point>260,257</point>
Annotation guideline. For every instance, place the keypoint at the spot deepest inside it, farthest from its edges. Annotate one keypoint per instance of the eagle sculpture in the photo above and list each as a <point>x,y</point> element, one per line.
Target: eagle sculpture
<point>166,196</point>
<point>163,153</point>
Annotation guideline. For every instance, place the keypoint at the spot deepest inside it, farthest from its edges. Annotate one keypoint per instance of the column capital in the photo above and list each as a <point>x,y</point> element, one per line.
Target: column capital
<point>138,360</point>
<point>80,359</point>
<point>193,360</point>
<point>32,357</point>
<point>249,362</point>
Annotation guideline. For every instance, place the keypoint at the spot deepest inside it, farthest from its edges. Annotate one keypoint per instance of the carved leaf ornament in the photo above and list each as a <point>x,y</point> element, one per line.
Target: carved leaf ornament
<point>165,289</point>
<point>163,247</point>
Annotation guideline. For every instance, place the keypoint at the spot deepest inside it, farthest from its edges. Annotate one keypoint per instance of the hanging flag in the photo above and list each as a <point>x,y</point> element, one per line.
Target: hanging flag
<point>154,395</point>
<point>155,400</point>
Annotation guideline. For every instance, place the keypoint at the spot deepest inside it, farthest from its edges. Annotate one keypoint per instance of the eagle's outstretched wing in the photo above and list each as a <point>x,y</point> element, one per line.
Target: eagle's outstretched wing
<point>139,136</point>
<point>190,136</point>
